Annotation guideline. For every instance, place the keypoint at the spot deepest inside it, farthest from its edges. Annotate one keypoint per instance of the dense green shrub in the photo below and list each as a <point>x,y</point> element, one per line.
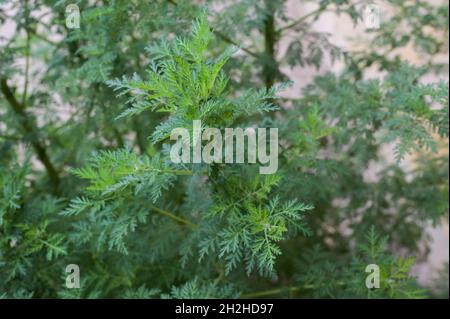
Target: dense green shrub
<point>85,175</point>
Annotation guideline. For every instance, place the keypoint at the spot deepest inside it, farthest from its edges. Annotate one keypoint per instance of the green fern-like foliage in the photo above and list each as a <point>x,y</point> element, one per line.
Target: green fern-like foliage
<point>348,278</point>
<point>238,229</point>
<point>86,178</point>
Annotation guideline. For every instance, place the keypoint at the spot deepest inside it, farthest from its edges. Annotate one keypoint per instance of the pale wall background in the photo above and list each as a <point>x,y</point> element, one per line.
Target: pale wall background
<point>350,37</point>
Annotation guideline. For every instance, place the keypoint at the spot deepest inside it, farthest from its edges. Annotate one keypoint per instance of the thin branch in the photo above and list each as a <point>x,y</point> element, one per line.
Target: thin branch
<point>278,291</point>
<point>272,292</point>
<point>174,217</point>
<point>316,13</point>
<point>229,40</point>
<point>29,128</point>
<point>42,37</point>
<point>59,249</point>
<point>224,36</point>
<point>10,137</point>
<point>301,20</point>
<point>27,55</point>
<point>270,68</point>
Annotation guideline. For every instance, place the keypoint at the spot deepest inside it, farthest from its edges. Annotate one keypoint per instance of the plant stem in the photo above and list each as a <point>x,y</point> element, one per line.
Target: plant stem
<point>277,291</point>
<point>316,13</point>
<point>31,131</point>
<point>269,68</point>
<point>229,40</point>
<point>224,36</point>
<point>301,20</point>
<point>272,292</point>
<point>27,55</point>
<point>60,250</point>
<point>174,217</point>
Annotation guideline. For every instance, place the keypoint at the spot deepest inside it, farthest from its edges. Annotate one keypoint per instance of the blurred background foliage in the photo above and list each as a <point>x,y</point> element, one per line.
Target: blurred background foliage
<point>58,110</point>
